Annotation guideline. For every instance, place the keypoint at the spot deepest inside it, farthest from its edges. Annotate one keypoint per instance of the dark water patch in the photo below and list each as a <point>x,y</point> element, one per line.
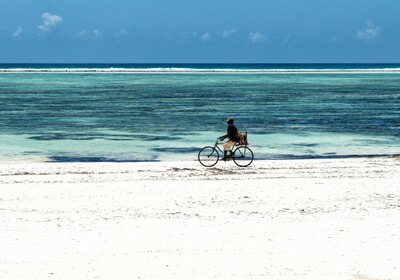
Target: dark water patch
<point>177,150</point>
<point>157,138</point>
<point>306,145</point>
<point>55,137</point>
<point>325,156</point>
<point>183,133</point>
<point>32,153</point>
<point>118,139</point>
<point>375,142</point>
<point>94,159</point>
<point>113,137</point>
<point>330,154</point>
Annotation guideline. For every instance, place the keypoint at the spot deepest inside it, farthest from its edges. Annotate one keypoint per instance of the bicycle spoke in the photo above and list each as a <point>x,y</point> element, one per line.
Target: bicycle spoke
<point>243,156</point>
<point>208,156</point>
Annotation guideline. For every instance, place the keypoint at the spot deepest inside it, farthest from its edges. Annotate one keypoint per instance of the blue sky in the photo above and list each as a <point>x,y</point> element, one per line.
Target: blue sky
<point>205,31</point>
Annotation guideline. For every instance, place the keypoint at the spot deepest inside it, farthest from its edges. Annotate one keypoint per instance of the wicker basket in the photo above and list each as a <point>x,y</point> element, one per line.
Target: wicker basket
<point>242,138</point>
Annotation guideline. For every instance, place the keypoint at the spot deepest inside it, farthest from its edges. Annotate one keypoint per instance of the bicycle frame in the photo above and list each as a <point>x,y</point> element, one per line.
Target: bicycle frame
<point>236,145</point>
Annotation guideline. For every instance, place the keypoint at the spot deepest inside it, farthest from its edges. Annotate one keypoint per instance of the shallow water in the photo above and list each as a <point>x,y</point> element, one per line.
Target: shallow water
<point>170,116</point>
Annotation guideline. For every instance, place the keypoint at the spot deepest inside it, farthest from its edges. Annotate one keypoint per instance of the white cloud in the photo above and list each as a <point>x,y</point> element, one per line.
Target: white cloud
<point>370,32</point>
<point>205,37</point>
<point>120,34</point>
<point>228,33</point>
<point>49,22</point>
<point>256,37</point>
<point>81,34</point>
<point>91,35</point>
<point>17,33</point>
<point>96,35</point>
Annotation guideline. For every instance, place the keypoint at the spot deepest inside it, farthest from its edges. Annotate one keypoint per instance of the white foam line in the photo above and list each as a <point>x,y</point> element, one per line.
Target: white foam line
<point>199,71</point>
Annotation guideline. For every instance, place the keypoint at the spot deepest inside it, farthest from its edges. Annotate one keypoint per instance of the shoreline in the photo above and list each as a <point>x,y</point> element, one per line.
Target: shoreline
<point>259,167</point>
<point>97,159</point>
<point>281,219</point>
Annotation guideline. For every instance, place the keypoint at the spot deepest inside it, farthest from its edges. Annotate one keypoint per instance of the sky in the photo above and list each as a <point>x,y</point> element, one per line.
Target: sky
<point>199,31</point>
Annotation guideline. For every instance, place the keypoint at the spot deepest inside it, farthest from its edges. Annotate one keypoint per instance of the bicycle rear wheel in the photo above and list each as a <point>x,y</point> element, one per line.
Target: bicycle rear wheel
<point>208,156</point>
<point>243,156</point>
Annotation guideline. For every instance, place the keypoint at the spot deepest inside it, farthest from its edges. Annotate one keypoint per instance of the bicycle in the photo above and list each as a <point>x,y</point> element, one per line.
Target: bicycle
<point>242,156</point>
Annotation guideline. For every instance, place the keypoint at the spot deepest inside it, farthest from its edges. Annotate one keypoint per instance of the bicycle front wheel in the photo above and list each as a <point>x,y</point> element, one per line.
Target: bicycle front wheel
<point>243,156</point>
<point>208,156</point>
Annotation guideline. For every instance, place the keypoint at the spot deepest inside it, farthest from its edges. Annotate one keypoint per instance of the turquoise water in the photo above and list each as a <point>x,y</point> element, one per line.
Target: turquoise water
<point>169,115</point>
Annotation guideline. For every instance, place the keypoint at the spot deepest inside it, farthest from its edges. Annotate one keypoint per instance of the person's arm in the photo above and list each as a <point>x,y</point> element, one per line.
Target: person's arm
<point>223,137</point>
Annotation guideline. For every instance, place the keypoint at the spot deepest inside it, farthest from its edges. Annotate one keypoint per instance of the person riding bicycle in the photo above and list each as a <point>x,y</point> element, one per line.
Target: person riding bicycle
<point>232,134</point>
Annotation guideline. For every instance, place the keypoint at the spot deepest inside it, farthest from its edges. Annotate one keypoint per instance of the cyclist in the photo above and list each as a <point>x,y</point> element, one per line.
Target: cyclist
<point>232,134</point>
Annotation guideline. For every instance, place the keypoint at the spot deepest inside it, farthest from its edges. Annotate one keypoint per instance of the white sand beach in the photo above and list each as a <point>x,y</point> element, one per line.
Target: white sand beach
<point>290,219</point>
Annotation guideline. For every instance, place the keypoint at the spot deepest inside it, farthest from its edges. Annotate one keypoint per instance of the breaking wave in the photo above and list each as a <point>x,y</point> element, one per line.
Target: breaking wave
<point>185,70</point>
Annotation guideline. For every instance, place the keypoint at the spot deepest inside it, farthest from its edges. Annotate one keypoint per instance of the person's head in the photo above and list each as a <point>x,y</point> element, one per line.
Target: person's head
<point>230,120</point>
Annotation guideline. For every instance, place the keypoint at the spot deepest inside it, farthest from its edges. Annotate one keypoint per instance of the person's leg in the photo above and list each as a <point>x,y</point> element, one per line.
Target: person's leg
<point>227,147</point>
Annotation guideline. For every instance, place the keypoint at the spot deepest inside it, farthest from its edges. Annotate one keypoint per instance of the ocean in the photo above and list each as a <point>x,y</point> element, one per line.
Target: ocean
<point>160,112</point>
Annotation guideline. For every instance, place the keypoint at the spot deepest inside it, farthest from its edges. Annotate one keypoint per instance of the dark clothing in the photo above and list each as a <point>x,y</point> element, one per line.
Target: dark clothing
<point>232,133</point>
